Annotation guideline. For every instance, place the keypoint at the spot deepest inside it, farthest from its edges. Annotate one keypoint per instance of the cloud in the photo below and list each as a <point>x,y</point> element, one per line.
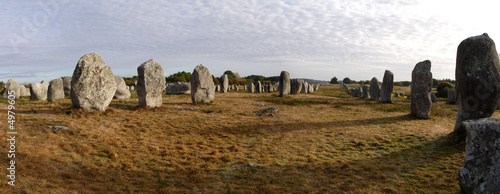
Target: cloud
<point>314,39</point>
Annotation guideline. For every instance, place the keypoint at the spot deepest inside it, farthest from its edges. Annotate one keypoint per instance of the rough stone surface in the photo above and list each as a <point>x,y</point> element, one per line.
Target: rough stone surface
<point>150,84</point>
<point>310,88</point>
<point>251,87</point>
<point>93,84</point>
<point>258,87</point>
<point>481,170</point>
<point>56,90</point>
<point>12,85</point>
<point>284,86</point>
<point>132,88</point>
<point>202,85</point>
<point>305,88</point>
<point>67,85</point>
<point>180,88</point>
<point>477,74</point>
<point>374,89</point>
<point>224,82</point>
<point>38,91</point>
<point>121,89</point>
<point>387,87</point>
<point>296,86</point>
<point>421,82</point>
<point>452,96</point>
<point>366,91</point>
<point>433,97</point>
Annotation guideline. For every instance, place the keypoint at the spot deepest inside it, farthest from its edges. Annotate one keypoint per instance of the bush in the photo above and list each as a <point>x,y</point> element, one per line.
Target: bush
<point>442,89</point>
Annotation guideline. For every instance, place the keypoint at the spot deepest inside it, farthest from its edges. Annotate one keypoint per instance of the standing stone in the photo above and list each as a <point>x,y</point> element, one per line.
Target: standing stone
<point>421,82</point>
<point>374,89</point>
<point>346,89</point>
<point>310,88</point>
<point>28,93</point>
<point>224,81</point>
<point>481,170</point>
<point>217,88</point>
<point>396,94</point>
<point>93,84</point>
<point>67,85</point>
<point>202,85</point>
<point>12,85</point>
<point>305,88</point>
<point>150,84</point>
<point>387,87</point>
<point>284,86</point>
<point>180,88</point>
<point>366,91</point>
<point>296,86</point>
<point>245,87</point>
<point>359,92</point>
<point>121,89</point>
<point>452,96</point>
<point>433,97</point>
<point>56,90</point>
<point>477,74</point>
<point>22,91</point>
<point>258,87</point>
<point>251,87</point>
<point>132,88</point>
<point>38,91</point>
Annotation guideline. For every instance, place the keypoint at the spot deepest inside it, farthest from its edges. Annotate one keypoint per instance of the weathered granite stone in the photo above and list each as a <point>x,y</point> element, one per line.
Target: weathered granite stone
<point>284,86</point>
<point>296,86</point>
<point>202,85</point>
<point>452,96</point>
<point>374,89</point>
<point>12,85</point>
<point>310,88</point>
<point>217,88</point>
<point>180,88</point>
<point>132,88</point>
<point>93,84</point>
<point>224,82</point>
<point>56,90</point>
<point>67,85</point>
<point>121,89</point>
<point>359,92</point>
<point>38,91</point>
<point>421,81</point>
<point>258,87</point>
<point>150,84</point>
<point>251,87</point>
<point>481,170</point>
<point>305,88</point>
<point>387,87</point>
<point>366,91</point>
<point>433,97</point>
<point>477,75</point>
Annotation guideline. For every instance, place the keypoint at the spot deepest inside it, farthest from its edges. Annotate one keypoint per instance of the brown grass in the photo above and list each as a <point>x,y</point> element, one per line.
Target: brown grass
<point>322,142</point>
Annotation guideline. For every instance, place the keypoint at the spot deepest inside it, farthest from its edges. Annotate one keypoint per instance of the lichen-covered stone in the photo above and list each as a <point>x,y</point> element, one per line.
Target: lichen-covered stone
<point>202,85</point>
<point>56,90</point>
<point>121,89</point>
<point>181,88</point>
<point>284,86</point>
<point>374,89</point>
<point>387,87</point>
<point>67,85</point>
<point>224,83</point>
<point>12,85</point>
<point>421,82</point>
<point>150,84</point>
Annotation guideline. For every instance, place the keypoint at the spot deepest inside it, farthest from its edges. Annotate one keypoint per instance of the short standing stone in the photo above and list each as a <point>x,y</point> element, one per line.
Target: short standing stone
<point>452,96</point>
<point>284,86</point>
<point>305,88</point>
<point>28,93</point>
<point>132,88</point>
<point>202,85</point>
<point>245,87</point>
<point>387,87</point>
<point>366,91</point>
<point>38,91</point>
<point>421,81</point>
<point>296,86</point>
<point>56,90</point>
<point>396,94</point>
<point>477,74</point>
<point>359,92</point>
<point>93,84</point>
<point>433,97</point>
<point>258,86</point>
<point>67,85</point>
<point>224,82</point>
<point>374,89</point>
<point>180,88</point>
<point>121,89</point>
<point>481,170</point>
<point>150,84</point>
<point>251,87</point>
<point>12,85</point>
<point>310,88</point>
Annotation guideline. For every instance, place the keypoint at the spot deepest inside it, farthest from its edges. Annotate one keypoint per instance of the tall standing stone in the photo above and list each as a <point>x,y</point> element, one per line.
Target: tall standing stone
<point>67,85</point>
<point>12,85</point>
<point>421,86</point>
<point>93,84</point>
<point>296,86</point>
<point>150,84</point>
<point>56,90</point>
<point>224,82</point>
<point>366,91</point>
<point>121,89</point>
<point>284,86</point>
<point>258,87</point>
<point>481,170</point>
<point>251,87</point>
<point>477,74</point>
<point>452,96</point>
<point>305,88</point>
<point>374,89</point>
<point>202,85</point>
<point>387,87</point>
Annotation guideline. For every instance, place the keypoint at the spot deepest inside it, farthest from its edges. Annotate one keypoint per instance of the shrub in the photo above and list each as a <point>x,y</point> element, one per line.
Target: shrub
<point>442,89</point>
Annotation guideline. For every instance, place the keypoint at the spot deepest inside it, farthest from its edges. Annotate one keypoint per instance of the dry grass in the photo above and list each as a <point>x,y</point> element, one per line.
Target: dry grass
<point>321,142</point>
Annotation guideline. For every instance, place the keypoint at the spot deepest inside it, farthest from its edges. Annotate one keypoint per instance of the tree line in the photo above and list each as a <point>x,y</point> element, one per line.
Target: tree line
<point>347,80</point>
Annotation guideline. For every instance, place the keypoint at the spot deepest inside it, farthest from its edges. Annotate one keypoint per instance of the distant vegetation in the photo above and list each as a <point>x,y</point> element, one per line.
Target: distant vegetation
<point>347,80</point>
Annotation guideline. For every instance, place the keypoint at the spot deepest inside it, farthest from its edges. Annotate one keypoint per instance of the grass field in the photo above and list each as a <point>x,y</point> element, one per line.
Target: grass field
<point>323,142</point>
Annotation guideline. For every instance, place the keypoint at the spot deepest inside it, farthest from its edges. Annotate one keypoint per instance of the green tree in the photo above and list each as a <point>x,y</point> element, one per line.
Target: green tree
<point>347,80</point>
<point>181,76</point>
<point>216,80</point>
<point>334,80</point>
<point>442,89</point>
<point>406,83</point>
<point>435,82</point>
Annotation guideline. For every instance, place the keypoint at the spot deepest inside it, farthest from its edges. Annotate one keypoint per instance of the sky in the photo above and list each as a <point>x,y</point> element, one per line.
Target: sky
<point>316,39</point>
